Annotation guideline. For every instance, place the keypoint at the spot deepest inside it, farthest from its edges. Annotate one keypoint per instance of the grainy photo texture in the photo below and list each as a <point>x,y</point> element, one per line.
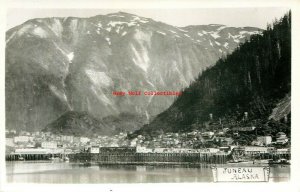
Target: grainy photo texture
<point>148,96</point>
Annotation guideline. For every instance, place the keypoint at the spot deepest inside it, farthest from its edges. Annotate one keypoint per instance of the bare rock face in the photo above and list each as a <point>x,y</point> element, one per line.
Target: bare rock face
<point>56,65</point>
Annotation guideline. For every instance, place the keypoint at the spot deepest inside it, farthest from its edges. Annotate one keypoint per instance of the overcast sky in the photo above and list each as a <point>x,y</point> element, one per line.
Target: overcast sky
<point>235,17</point>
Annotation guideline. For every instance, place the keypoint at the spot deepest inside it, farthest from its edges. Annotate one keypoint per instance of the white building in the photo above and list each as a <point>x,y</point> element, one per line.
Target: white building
<point>283,151</point>
<point>32,151</point>
<point>281,138</point>
<point>264,140</point>
<point>213,150</point>
<point>94,149</point>
<point>140,149</point>
<point>49,145</point>
<point>67,138</point>
<point>133,142</point>
<point>255,149</point>
<point>23,139</point>
<point>208,135</point>
<point>84,139</point>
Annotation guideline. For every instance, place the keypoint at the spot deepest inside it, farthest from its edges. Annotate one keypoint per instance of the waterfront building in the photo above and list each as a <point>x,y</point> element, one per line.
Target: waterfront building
<point>22,139</point>
<point>250,128</point>
<point>49,145</point>
<point>117,150</point>
<point>255,149</point>
<point>140,149</point>
<point>281,138</point>
<point>283,151</point>
<point>31,151</point>
<point>133,142</point>
<point>94,149</point>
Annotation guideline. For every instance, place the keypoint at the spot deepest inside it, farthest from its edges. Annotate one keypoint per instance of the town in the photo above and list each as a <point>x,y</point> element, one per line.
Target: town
<point>45,145</point>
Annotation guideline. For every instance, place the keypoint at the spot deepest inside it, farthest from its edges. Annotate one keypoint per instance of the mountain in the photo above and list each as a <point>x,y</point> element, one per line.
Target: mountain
<point>77,124</point>
<point>60,65</point>
<point>83,124</point>
<point>251,87</point>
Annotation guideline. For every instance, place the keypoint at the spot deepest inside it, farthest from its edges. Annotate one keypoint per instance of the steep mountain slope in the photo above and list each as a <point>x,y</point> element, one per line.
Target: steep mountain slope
<point>83,124</point>
<point>55,65</point>
<point>256,79</point>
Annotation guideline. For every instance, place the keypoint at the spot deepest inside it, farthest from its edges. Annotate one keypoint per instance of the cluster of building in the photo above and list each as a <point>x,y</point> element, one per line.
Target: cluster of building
<point>191,142</point>
<point>215,138</point>
<point>25,141</point>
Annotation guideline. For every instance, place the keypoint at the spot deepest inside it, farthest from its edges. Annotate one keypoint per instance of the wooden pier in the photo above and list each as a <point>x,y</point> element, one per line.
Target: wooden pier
<point>155,158</point>
<point>31,157</point>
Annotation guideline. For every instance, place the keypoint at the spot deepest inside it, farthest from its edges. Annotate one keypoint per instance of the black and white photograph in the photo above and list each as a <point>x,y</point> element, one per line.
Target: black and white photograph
<point>137,96</point>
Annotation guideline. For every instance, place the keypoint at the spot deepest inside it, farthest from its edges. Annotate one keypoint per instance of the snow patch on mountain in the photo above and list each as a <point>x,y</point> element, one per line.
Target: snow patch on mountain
<point>38,31</point>
<point>108,40</point>
<point>60,94</point>
<point>73,25</point>
<point>235,37</point>
<point>114,23</point>
<point>226,45</point>
<point>140,51</point>
<point>236,40</point>
<point>116,16</point>
<point>161,32</point>
<point>140,59</point>
<point>98,78</point>
<point>57,27</point>
<point>99,25</point>
<point>24,29</point>
<point>250,32</point>
<point>11,36</point>
<point>101,96</point>
<point>211,44</point>
<point>215,35</point>
<point>118,29</point>
<point>182,79</point>
<point>70,57</point>
<point>142,20</point>
<point>217,43</point>
<point>181,29</point>
<point>142,37</point>
<point>220,28</point>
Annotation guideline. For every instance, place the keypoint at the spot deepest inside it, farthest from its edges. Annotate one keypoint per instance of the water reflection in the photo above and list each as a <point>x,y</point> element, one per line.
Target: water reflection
<point>47,172</point>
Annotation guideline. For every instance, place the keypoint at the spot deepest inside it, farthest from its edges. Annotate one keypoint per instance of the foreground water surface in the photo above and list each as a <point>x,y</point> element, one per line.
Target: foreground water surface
<point>58,172</point>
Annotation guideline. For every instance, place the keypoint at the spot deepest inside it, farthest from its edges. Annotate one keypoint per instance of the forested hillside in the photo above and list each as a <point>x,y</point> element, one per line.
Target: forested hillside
<point>243,89</point>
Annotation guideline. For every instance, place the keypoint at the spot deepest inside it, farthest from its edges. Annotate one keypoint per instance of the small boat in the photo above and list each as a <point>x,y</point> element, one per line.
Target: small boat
<point>20,158</point>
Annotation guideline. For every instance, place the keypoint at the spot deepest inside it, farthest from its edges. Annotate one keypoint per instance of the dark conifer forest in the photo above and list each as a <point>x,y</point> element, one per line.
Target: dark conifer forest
<point>250,87</point>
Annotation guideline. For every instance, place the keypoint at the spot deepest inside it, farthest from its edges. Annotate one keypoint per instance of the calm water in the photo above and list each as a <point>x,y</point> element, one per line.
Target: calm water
<point>49,172</point>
